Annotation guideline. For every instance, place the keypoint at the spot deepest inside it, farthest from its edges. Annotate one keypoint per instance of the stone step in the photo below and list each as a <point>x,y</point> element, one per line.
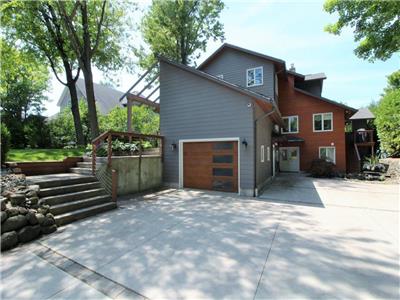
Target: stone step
<point>83,213</point>
<point>88,165</point>
<point>83,171</point>
<point>79,204</point>
<point>99,160</point>
<point>55,180</point>
<point>63,198</point>
<point>52,191</point>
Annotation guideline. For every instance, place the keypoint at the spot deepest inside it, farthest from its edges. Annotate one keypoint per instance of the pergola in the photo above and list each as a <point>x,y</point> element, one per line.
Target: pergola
<point>149,78</point>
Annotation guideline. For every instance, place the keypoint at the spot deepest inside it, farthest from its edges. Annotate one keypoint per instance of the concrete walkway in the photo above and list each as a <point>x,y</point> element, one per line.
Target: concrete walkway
<point>193,244</point>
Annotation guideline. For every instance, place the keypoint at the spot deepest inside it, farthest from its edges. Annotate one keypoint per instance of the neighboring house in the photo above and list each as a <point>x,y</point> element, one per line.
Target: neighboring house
<point>240,117</point>
<point>106,97</point>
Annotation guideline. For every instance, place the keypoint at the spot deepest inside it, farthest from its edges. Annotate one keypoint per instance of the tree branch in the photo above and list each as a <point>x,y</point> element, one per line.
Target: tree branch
<point>97,41</point>
<point>53,67</point>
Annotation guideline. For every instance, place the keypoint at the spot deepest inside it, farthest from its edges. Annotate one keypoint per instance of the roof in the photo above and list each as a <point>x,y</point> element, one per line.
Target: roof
<point>325,99</point>
<point>262,100</point>
<point>362,114</point>
<point>226,46</point>
<point>107,97</point>
<point>307,77</point>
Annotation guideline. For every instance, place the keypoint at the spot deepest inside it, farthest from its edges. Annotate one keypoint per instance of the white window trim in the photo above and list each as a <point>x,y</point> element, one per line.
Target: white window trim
<point>268,154</point>
<point>262,77</point>
<point>326,147</point>
<point>291,132</point>
<point>180,154</point>
<point>221,76</point>
<point>322,122</point>
<point>262,153</point>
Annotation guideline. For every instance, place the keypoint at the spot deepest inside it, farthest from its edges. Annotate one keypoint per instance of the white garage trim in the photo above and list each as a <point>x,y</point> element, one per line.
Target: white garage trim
<point>235,139</point>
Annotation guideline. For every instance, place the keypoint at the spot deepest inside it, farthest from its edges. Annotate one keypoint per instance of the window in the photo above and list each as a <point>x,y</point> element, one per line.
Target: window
<point>222,159</point>
<point>328,153</point>
<point>262,153</point>
<point>221,76</point>
<point>291,124</point>
<point>222,146</point>
<point>222,172</point>
<point>323,122</point>
<point>268,154</point>
<point>254,76</point>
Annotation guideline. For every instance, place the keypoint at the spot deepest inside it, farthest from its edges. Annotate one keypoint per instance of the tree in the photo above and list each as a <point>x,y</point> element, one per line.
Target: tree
<point>24,80</point>
<point>38,25</point>
<point>96,30</point>
<point>180,29</point>
<point>388,122</point>
<point>393,81</point>
<point>376,25</point>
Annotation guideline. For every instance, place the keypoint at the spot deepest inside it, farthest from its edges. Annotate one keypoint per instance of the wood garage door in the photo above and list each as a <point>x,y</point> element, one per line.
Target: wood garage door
<point>211,166</point>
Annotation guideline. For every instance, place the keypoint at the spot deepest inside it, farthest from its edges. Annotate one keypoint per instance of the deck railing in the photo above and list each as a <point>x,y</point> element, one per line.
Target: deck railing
<point>363,136</point>
<point>106,140</point>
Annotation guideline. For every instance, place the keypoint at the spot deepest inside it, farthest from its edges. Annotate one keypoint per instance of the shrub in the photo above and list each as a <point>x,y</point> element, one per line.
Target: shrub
<point>321,168</point>
<point>5,142</point>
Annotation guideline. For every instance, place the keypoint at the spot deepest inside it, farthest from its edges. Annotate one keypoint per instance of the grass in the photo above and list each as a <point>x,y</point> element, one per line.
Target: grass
<point>20,155</point>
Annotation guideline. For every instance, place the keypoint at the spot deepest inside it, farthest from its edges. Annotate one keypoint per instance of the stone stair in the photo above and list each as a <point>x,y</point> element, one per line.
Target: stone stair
<point>72,196</point>
<point>85,167</point>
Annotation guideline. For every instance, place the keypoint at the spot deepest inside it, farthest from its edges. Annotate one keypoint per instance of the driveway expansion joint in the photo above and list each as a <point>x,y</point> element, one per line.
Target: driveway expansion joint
<point>102,284</point>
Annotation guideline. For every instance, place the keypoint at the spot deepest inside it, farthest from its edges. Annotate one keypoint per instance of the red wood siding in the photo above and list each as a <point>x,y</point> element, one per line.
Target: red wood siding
<point>292,102</point>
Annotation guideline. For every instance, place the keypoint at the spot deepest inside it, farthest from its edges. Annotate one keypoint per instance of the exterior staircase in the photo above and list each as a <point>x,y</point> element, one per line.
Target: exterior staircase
<point>73,196</point>
<point>85,167</point>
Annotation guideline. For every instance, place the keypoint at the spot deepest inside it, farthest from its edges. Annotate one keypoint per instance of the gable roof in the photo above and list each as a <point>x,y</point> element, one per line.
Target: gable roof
<point>362,114</point>
<point>325,99</point>
<point>106,97</point>
<point>275,60</point>
<point>262,100</point>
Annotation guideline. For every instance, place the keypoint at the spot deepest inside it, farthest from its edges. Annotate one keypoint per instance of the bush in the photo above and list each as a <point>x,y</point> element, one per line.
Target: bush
<point>5,142</point>
<point>320,168</point>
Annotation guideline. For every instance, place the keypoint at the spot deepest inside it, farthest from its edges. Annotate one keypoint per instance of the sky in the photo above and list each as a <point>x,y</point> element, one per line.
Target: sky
<point>292,31</point>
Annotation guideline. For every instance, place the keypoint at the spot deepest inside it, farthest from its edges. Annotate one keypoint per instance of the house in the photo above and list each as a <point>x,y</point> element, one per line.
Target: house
<point>106,97</point>
<point>240,117</point>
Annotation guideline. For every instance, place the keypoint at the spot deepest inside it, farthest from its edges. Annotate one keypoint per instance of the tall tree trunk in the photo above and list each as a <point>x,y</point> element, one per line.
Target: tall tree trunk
<point>80,139</point>
<point>92,112</point>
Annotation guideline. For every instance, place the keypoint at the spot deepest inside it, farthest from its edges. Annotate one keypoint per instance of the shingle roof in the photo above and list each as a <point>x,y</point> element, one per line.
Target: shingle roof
<point>362,114</point>
<point>106,97</point>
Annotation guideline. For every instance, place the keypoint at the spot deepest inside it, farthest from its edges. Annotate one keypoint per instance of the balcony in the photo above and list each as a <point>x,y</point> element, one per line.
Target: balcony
<point>364,137</point>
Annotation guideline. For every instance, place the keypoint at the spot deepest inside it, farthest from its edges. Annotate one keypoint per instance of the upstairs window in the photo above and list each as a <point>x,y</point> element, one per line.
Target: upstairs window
<point>323,122</point>
<point>291,124</point>
<point>254,76</point>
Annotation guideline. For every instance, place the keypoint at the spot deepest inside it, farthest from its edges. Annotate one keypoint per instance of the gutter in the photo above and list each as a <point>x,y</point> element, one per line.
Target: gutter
<point>255,146</point>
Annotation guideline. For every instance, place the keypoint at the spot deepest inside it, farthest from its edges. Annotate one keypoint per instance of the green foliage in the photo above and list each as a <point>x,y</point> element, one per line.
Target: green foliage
<point>180,29</point>
<point>42,154</point>
<point>320,168</point>
<point>144,120</point>
<point>37,132</point>
<point>375,23</point>
<point>393,81</point>
<point>4,142</point>
<point>387,122</point>
<point>24,80</point>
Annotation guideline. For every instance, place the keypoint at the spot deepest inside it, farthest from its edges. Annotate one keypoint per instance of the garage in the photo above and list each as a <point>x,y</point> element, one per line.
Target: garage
<point>210,165</point>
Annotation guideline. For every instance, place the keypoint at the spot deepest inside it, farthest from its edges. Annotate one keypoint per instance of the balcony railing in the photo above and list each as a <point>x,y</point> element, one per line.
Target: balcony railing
<point>364,137</point>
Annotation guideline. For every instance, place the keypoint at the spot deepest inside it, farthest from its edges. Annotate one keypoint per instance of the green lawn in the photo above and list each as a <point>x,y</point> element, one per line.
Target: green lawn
<point>20,155</point>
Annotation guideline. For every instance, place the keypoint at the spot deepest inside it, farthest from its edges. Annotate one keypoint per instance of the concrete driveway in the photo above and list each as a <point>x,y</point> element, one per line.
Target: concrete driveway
<point>194,244</point>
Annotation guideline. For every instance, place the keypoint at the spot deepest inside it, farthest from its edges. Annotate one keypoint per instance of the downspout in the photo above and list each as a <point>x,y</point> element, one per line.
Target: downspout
<point>255,146</point>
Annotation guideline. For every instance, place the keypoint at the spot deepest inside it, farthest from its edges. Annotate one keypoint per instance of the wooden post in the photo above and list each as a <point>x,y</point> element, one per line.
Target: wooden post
<point>114,185</point>
<point>129,115</point>
<point>94,151</point>
<point>140,165</point>
<point>109,149</point>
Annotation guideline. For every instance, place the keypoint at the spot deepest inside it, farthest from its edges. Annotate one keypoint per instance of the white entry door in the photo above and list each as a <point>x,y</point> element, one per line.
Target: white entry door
<point>289,159</point>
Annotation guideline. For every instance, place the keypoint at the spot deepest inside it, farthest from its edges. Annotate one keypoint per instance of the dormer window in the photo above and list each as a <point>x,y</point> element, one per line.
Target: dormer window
<point>254,77</point>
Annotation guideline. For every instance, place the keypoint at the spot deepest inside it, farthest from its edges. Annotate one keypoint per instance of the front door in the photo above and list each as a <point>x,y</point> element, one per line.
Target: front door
<point>289,159</point>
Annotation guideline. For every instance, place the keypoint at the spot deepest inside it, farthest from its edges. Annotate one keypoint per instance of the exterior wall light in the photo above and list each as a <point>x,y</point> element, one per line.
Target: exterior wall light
<point>173,146</point>
<point>244,142</point>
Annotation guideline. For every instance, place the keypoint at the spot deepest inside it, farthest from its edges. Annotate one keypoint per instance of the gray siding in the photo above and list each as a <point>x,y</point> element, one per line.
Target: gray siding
<point>264,131</point>
<point>234,64</point>
<point>192,107</point>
